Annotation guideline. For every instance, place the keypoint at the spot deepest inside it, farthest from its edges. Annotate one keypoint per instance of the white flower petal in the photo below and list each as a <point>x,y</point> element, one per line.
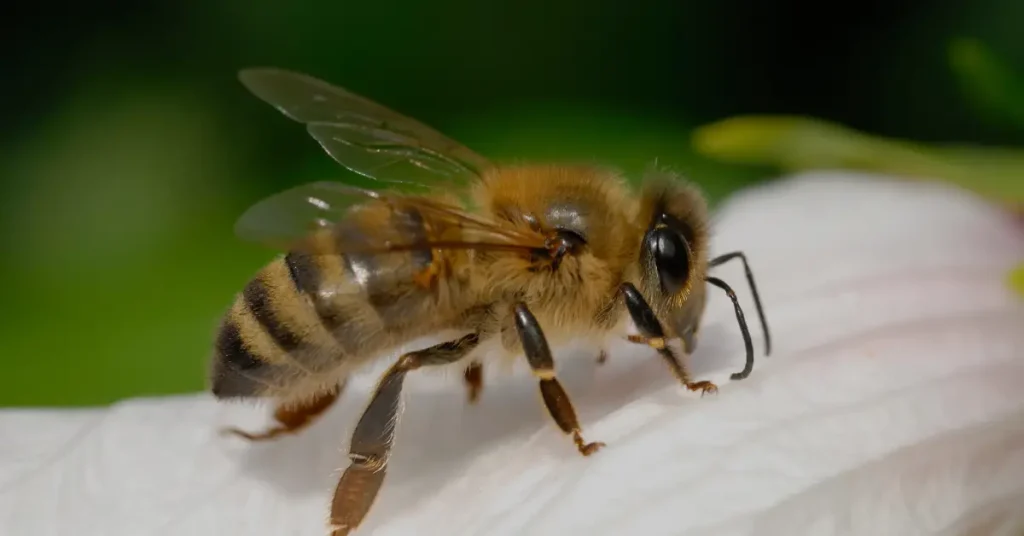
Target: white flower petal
<point>891,405</point>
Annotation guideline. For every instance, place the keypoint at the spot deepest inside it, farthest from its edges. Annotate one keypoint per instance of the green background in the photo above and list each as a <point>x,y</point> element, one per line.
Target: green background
<point>129,147</point>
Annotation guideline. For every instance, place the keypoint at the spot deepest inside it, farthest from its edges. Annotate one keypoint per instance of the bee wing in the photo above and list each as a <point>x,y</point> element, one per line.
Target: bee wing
<point>294,220</point>
<point>364,136</point>
<point>286,219</point>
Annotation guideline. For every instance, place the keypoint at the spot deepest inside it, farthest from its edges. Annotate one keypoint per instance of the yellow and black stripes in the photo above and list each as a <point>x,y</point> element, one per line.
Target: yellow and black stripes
<point>309,312</point>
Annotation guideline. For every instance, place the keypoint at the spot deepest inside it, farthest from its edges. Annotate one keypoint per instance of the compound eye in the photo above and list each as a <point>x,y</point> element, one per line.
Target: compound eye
<point>671,257</point>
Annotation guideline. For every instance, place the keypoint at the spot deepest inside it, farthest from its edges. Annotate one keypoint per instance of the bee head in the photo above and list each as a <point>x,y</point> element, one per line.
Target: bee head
<point>673,252</point>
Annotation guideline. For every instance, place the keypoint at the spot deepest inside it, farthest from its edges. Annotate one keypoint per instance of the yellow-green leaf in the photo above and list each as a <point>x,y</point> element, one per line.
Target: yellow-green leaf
<point>1017,279</point>
<point>801,143</point>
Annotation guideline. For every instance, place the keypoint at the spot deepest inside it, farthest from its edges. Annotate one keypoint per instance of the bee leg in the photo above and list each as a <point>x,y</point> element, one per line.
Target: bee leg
<point>291,418</point>
<point>535,346</point>
<point>474,377</point>
<point>375,433</point>
<point>652,334</point>
<point>602,357</point>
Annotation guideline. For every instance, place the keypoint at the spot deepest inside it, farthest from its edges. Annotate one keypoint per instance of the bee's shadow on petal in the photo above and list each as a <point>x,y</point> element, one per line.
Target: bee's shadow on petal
<point>439,430</point>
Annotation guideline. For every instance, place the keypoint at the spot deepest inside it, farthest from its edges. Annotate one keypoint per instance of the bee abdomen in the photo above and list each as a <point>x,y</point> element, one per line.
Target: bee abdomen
<point>389,281</point>
<point>233,352</point>
<point>273,336</point>
<point>257,300</point>
<point>310,317</point>
<point>303,272</point>
<point>367,301</point>
<point>323,284</point>
<point>238,371</point>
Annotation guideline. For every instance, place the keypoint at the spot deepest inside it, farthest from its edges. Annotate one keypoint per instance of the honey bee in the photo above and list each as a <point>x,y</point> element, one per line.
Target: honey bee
<point>509,259</point>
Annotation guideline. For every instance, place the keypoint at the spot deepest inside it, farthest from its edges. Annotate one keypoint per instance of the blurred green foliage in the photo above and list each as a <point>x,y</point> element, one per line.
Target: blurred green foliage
<point>800,143</point>
<point>990,83</point>
<point>131,148</point>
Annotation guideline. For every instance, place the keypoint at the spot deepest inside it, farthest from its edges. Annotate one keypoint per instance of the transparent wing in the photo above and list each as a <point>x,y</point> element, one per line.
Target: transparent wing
<point>289,217</point>
<point>364,136</point>
<point>358,220</point>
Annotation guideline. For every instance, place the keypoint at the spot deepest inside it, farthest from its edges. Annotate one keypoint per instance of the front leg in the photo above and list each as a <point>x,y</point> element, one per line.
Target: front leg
<point>535,346</point>
<point>652,334</point>
<point>375,433</point>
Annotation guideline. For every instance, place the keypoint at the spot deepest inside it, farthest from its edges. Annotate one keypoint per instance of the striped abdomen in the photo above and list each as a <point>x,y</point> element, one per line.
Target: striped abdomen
<point>307,319</point>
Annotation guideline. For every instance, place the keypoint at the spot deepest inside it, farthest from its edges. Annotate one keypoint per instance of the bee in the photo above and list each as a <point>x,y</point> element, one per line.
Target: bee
<point>509,259</point>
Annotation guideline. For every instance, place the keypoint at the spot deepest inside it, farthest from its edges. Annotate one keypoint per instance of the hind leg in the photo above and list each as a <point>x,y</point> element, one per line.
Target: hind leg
<point>292,419</point>
<point>474,378</point>
<point>374,435</point>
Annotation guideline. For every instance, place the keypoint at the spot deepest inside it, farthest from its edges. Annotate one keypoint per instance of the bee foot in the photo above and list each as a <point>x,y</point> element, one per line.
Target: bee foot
<point>704,387</point>
<point>585,448</point>
<point>249,436</point>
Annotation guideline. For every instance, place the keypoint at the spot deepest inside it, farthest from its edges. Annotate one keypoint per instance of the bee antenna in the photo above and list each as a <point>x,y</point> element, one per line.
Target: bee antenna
<point>722,259</point>
<point>747,342</point>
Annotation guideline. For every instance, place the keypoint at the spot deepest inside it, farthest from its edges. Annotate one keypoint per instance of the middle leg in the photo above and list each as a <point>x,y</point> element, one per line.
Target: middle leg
<point>535,346</point>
